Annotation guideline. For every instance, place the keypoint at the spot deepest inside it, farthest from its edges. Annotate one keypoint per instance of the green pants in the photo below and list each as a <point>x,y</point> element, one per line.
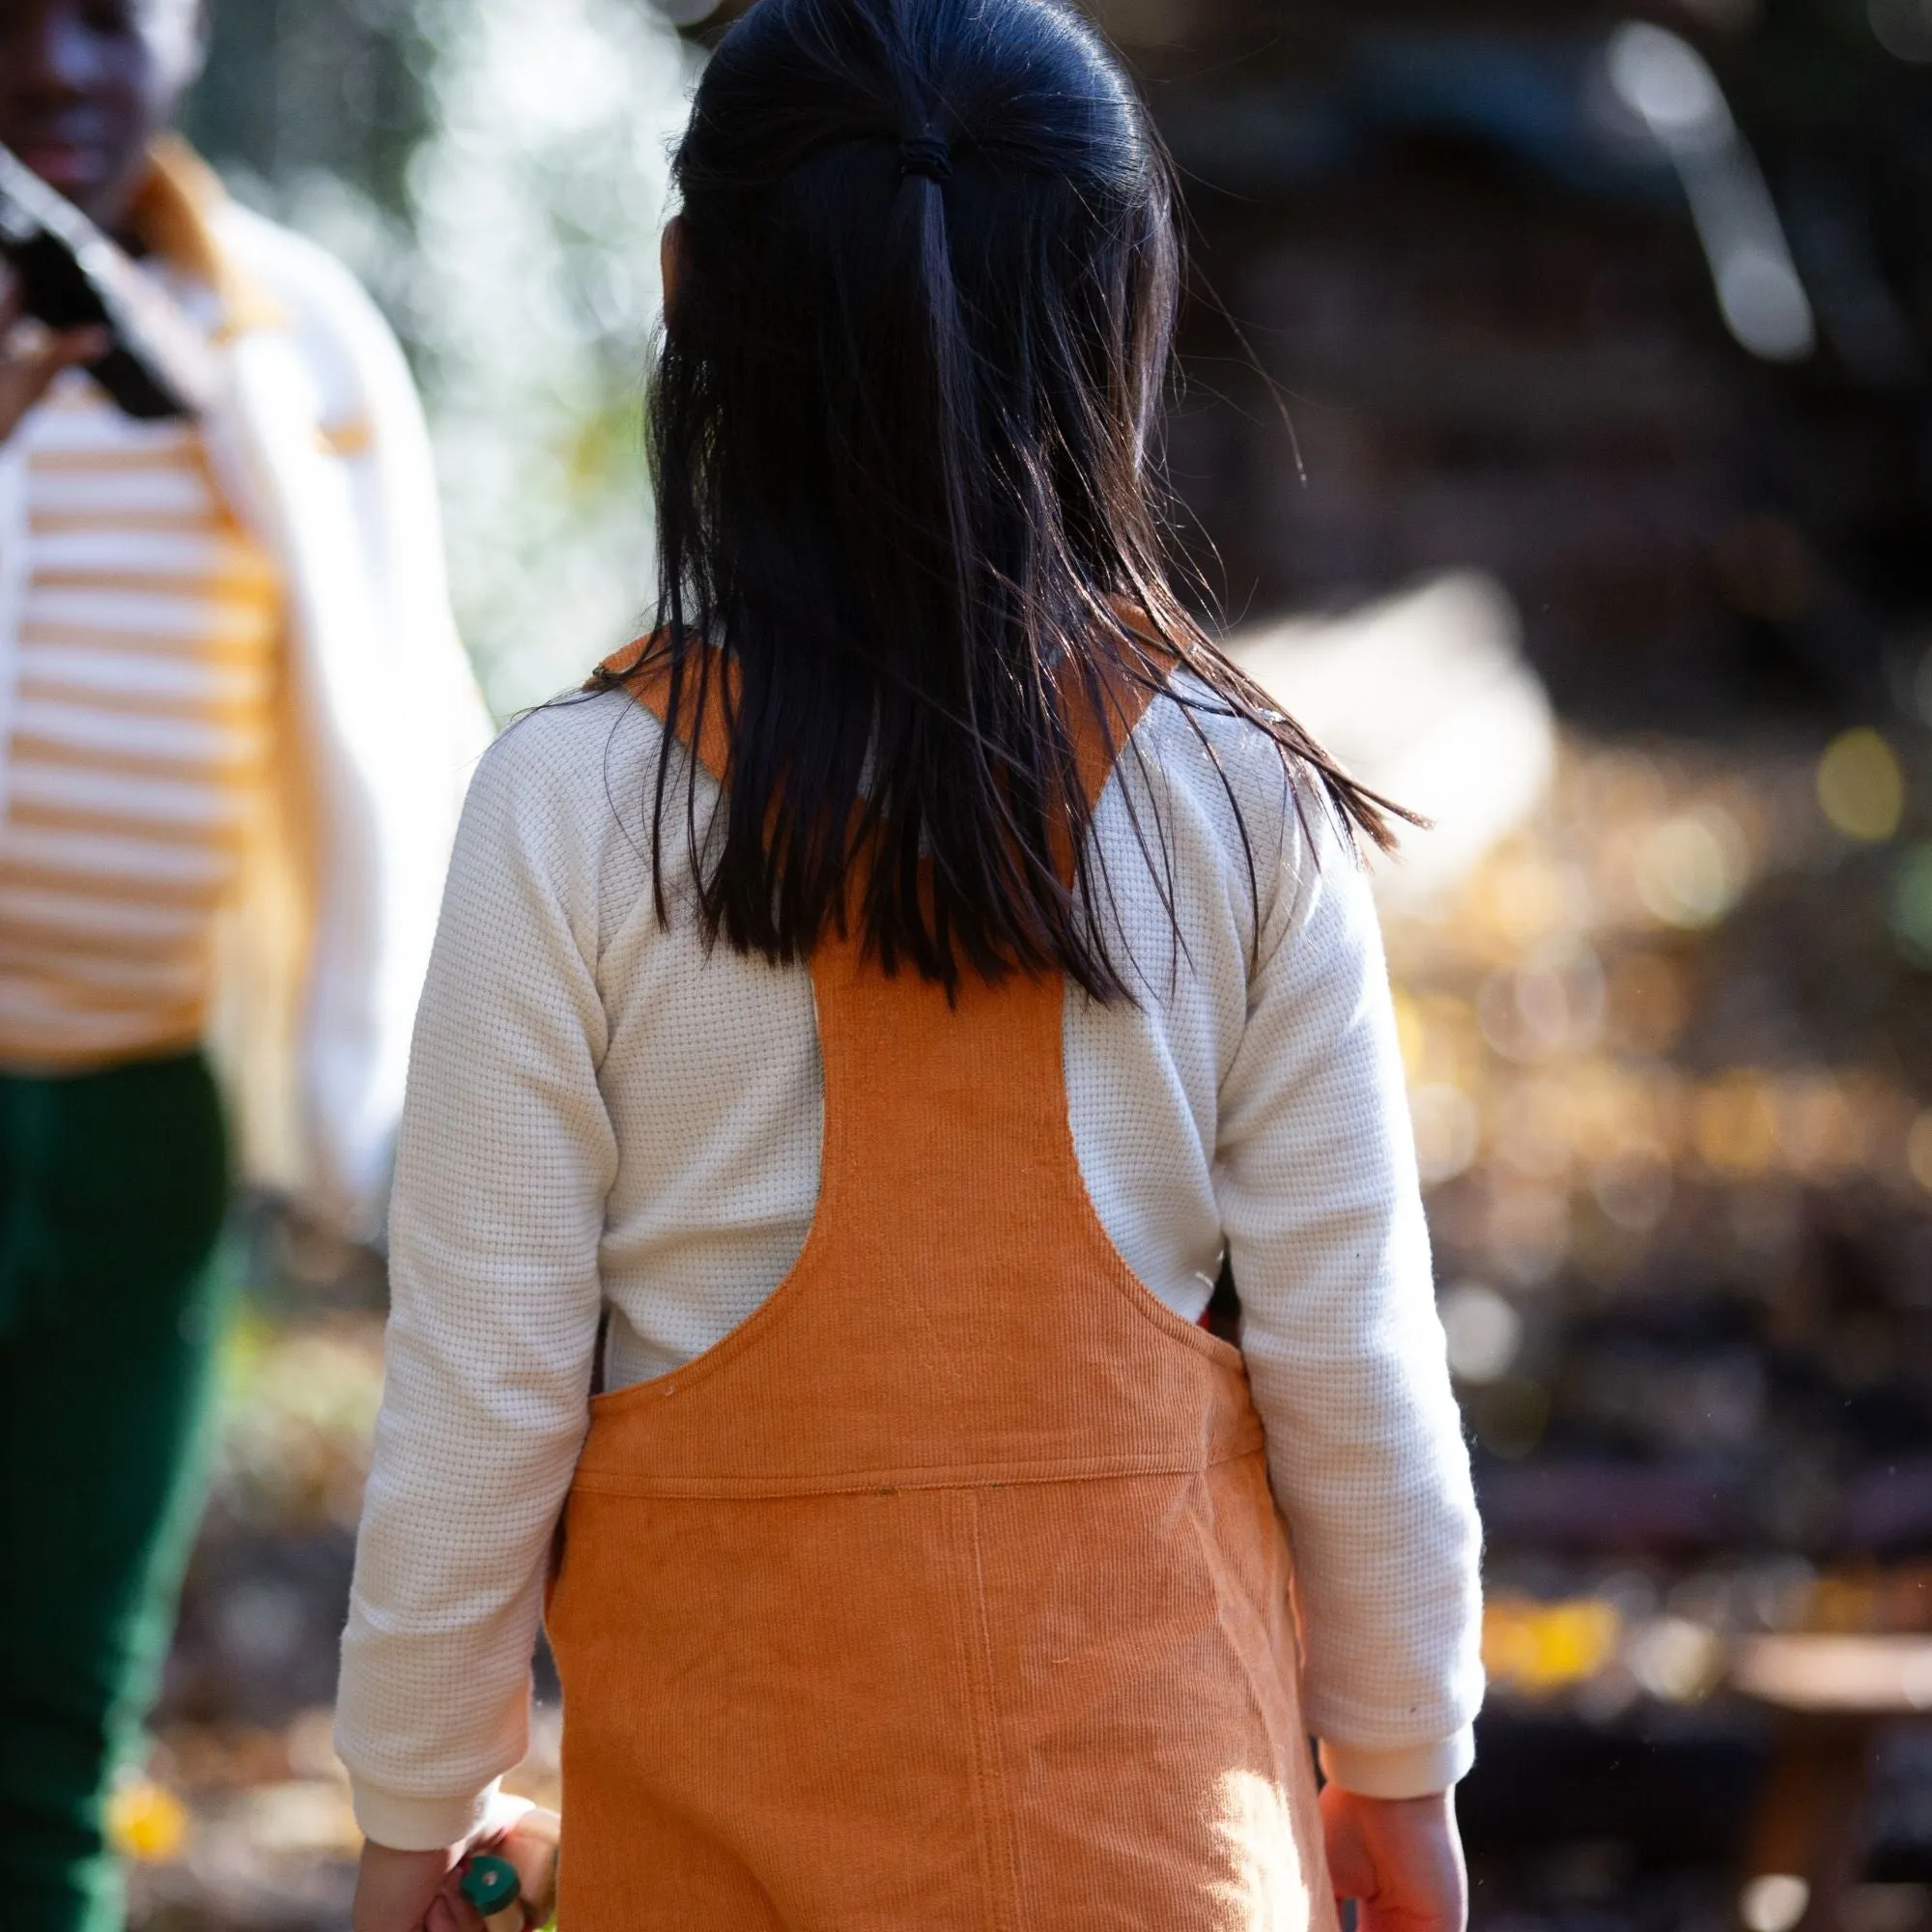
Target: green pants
<point>112,1190</point>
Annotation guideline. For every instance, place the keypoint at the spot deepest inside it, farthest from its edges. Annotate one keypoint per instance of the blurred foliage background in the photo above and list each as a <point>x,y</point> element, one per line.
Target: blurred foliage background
<point>495,172</point>
<point>1554,432</point>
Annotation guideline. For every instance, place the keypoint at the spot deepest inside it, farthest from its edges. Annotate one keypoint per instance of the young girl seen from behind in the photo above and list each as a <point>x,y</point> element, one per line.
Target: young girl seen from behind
<point>861,1027</point>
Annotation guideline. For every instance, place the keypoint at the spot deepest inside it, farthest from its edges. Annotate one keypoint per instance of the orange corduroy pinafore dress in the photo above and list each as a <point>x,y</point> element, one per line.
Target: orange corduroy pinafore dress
<point>947,1592</point>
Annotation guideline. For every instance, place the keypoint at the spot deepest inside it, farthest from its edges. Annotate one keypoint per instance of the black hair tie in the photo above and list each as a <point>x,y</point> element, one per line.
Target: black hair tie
<point>926,155</point>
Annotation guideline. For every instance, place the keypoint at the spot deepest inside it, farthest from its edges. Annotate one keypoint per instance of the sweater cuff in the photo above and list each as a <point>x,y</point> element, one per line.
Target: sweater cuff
<point>1415,1771</point>
<point>418,1824</point>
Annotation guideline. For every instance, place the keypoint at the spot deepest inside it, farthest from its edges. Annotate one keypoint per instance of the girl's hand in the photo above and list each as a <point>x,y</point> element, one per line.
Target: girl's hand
<point>396,1891</point>
<point>1400,1858</point>
<point>419,1891</point>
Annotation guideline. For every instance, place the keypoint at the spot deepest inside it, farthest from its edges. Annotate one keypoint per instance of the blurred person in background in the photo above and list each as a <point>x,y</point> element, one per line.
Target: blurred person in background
<point>235,727</point>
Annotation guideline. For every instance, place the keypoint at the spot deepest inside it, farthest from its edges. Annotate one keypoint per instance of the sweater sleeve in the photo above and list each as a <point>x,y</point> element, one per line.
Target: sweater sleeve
<point>321,444</point>
<point>506,1155</point>
<point>1322,1211</point>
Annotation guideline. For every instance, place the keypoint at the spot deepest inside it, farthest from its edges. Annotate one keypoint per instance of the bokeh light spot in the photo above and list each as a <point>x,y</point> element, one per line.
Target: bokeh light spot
<point>1734,1123</point>
<point>1903,28</point>
<point>1447,1132</point>
<point>1692,868</point>
<point>1861,788</point>
<point>1537,1648</point>
<point>146,1822</point>
<point>1773,1902</point>
<point>1911,908</point>
<point>1676,1660</point>
<point>1485,1333</point>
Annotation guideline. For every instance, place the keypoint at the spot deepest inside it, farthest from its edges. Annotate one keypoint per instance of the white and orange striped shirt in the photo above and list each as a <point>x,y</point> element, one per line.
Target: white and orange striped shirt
<point>138,734</point>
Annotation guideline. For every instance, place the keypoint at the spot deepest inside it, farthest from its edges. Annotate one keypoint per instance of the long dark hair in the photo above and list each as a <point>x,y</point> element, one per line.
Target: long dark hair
<point>901,432</point>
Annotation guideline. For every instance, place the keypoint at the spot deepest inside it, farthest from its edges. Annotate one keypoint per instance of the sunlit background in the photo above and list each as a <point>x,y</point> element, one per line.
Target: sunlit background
<point>1556,438</point>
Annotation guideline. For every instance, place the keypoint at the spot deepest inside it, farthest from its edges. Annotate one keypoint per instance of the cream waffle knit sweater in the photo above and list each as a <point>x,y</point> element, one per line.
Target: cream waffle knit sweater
<point>607,1123</point>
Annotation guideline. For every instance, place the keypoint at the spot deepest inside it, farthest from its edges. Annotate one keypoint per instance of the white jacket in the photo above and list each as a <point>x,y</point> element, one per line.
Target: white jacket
<point>319,443</point>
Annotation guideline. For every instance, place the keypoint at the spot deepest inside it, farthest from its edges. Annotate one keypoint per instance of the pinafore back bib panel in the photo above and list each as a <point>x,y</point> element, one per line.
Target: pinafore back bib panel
<point>946,1594</point>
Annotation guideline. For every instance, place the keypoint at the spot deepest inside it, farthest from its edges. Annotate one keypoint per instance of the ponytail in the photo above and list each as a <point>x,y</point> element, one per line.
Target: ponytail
<point>902,424</point>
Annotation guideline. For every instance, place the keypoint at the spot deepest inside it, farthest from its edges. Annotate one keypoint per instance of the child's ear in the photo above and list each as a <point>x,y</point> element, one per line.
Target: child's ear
<point>670,259</point>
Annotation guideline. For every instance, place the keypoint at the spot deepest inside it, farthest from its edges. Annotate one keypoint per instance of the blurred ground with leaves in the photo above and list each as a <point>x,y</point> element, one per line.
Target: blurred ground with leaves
<point>1670,1057</point>
<point>240,1818</point>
